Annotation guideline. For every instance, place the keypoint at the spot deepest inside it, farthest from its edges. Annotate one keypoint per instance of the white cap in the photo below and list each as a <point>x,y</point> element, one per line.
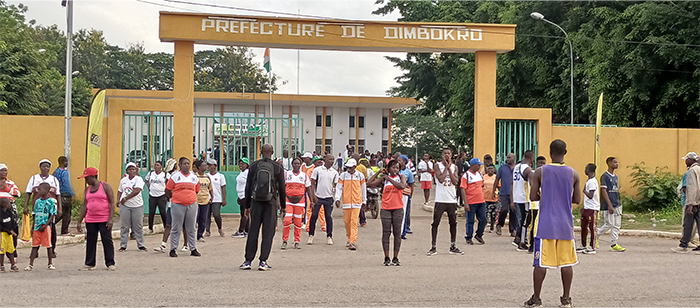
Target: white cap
<point>351,163</point>
<point>3,166</point>
<point>211,161</point>
<point>690,155</point>
<point>307,155</point>
<point>45,161</point>
<point>131,165</point>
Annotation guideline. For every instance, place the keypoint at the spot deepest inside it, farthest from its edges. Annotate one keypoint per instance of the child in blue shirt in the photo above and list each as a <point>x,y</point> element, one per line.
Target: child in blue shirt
<point>44,212</point>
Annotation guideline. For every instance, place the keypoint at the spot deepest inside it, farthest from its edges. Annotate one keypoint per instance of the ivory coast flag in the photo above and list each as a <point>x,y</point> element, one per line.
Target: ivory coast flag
<point>267,64</point>
<point>94,133</point>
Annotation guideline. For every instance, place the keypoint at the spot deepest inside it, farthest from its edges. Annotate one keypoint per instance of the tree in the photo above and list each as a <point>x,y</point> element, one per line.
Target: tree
<point>416,129</point>
<point>228,70</point>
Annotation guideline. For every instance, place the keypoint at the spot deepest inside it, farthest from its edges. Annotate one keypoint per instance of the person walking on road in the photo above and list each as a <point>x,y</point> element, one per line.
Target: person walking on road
<point>323,180</point>
<point>265,188</point>
<point>297,183</point>
<point>131,207</point>
<point>351,193</point>
<point>241,180</point>
<point>472,184</point>
<point>611,206</point>
<point>97,210</point>
<point>518,194</point>
<point>445,201</point>
<point>63,176</point>
<point>391,213</point>
<point>157,200</point>
<point>504,179</point>
<point>556,186</point>
<point>182,189</point>
<point>218,196</point>
<point>317,161</point>
<point>691,206</point>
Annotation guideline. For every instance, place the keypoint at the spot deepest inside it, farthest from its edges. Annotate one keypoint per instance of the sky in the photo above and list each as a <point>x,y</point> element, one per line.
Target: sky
<point>320,72</point>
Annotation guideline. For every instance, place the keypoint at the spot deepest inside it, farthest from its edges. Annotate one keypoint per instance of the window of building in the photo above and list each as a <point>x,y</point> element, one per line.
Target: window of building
<point>361,121</point>
<point>319,121</point>
<point>328,120</point>
<point>329,147</point>
<point>319,146</point>
<point>352,121</point>
<point>285,120</point>
<point>361,146</point>
<point>385,122</point>
<point>385,146</point>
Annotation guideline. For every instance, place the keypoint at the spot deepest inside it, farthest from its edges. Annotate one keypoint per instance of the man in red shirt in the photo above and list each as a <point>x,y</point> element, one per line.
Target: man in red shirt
<point>472,185</point>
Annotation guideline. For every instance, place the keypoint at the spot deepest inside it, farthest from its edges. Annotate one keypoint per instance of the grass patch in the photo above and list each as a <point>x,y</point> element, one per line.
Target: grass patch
<point>668,219</point>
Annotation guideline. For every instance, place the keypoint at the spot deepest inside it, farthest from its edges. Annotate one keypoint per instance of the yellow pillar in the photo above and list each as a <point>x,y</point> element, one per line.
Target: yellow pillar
<point>183,92</point>
<point>485,103</point>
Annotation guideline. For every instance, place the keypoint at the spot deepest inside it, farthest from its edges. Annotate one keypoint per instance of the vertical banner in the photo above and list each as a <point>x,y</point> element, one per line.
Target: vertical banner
<point>94,133</point>
<point>598,123</point>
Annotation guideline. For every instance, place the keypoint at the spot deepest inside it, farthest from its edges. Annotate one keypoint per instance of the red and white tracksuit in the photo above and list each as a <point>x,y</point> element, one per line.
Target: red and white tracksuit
<point>296,185</point>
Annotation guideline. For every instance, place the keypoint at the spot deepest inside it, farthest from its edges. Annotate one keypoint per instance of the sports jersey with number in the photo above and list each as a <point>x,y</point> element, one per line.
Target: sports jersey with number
<point>296,184</point>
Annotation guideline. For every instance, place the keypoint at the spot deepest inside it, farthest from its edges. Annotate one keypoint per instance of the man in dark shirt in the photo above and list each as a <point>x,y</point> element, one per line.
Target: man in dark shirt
<point>263,213</point>
<point>505,177</point>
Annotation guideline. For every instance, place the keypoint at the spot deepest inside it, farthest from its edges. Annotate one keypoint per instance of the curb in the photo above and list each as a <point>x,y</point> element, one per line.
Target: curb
<point>80,238</point>
<point>638,233</point>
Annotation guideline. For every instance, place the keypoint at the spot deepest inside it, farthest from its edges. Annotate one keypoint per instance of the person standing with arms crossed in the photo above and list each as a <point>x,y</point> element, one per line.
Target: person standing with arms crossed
<point>445,201</point>
<point>611,206</point>
<point>556,186</point>
<point>504,179</point>
<point>264,188</point>
<point>323,180</point>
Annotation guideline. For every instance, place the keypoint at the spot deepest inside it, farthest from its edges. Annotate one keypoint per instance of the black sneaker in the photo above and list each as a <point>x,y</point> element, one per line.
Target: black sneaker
<point>522,247</point>
<point>470,242</point>
<point>173,254</point>
<point>532,302</point>
<point>696,248</point>
<point>455,251</point>
<point>143,249</point>
<point>432,251</point>
<point>480,240</point>
<point>122,249</point>
<point>387,261</point>
<point>195,253</point>
<point>395,262</point>
<point>565,302</point>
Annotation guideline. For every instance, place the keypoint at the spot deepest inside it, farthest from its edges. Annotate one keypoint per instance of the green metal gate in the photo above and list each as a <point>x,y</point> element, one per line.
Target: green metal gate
<point>515,136</point>
<point>147,138</point>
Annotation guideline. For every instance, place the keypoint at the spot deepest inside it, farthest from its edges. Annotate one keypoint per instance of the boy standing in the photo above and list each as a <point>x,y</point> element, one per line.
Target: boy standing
<point>8,229</point>
<point>611,206</point>
<point>492,205</point>
<point>44,212</point>
<point>556,186</point>
<point>591,204</point>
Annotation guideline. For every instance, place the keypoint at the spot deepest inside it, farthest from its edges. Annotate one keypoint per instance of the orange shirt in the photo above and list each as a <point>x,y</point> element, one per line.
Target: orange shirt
<point>184,188</point>
<point>473,185</point>
<point>392,197</point>
<point>351,190</point>
<point>489,182</point>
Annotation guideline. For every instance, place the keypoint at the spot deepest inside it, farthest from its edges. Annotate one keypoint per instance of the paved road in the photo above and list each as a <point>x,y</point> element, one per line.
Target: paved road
<point>648,274</point>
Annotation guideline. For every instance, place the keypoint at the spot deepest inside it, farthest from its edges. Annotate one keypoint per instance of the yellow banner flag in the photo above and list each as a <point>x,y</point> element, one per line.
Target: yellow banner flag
<point>598,123</point>
<point>94,133</point>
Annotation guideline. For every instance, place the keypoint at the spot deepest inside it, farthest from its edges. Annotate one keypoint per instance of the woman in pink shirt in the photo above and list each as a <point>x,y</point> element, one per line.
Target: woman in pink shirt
<point>97,211</point>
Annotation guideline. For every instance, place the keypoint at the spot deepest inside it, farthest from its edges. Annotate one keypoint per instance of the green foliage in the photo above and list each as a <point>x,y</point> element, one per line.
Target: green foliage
<point>75,208</point>
<point>655,191</point>
<point>415,129</point>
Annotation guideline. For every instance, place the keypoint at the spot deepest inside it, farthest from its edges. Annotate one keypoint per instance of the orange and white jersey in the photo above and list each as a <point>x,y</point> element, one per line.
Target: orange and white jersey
<point>296,184</point>
<point>351,190</point>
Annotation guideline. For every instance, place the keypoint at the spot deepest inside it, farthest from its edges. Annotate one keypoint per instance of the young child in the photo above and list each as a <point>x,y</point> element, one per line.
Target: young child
<point>591,204</point>
<point>8,225</point>
<point>44,212</point>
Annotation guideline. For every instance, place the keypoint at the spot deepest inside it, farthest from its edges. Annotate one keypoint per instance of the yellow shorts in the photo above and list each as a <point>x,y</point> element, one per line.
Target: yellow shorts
<point>6,246</point>
<point>554,253</point>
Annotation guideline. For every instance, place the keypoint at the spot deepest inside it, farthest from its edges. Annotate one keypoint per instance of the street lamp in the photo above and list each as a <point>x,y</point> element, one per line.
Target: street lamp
<point>539,16</point>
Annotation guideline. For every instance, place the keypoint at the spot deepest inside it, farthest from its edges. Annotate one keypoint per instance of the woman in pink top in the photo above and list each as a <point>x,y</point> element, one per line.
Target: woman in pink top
<point>97,211</point>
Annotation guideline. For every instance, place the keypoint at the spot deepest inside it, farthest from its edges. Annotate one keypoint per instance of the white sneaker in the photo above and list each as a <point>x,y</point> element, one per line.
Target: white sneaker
<point>310,241</point>
<point>186,248</point>
<point>161,248</point>
<point>330,241</point>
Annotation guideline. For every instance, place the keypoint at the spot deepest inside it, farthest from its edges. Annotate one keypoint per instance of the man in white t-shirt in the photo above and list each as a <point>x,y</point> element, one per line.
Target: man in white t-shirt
<point>518,193</point>
<point>445,200</point>
<point>240,190</point>
<point>286,161</point>
<point>323,180</point>
<point>54,192</point>
<point>589,214</point>
<point>425,169</point>
<point>218,191</point>
<point>131,207</point>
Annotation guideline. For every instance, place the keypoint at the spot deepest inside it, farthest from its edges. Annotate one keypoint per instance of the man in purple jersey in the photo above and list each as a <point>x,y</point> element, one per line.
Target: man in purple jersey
<point>556,186</point>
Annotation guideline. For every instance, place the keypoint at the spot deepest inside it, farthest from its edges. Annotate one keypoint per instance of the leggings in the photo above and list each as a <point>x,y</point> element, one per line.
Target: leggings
<point>214,210</point>
<point>156,202</point>
<point>202,218</point>
<point>391,224</point>
<point>245,220</point>
<point>451,209</point>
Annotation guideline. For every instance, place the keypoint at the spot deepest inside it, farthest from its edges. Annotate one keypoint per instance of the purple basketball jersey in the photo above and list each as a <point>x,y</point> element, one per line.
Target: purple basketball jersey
<point>555,221</point>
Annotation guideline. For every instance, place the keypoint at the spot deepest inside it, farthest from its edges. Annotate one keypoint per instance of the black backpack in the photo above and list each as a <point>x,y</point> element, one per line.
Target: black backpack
<point>264,187</point>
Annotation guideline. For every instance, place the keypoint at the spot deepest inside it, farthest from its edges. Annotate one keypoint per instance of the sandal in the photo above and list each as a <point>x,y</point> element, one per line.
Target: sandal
<point>28,268</point>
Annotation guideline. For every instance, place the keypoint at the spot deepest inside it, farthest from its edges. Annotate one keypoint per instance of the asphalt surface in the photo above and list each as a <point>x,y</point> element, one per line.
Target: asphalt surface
<point>495,274</point>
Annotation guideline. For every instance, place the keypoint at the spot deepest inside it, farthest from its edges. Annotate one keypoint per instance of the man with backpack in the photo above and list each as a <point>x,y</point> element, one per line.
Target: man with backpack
<point>264,188</point>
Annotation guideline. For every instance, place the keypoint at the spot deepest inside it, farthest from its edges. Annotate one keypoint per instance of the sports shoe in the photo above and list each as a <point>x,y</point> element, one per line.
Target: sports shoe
<point>480,240</point>
<point>122,249</point>
<point>522,247</point>
<point>186,248</point>
<point>580,249</point>
<point>310,241</point>
<point>263,266</point>
<point>432,251</point>
<point>238,235</point>
<point>329,241</point>
<point>352,246</point>
<point>409,231</point>
<point>498,230</point>
<point>403,237</point>
<point>15,269</point>
<point>297,246</point>
<point>617,248</point>
<point>111,268</point>
<point>565,302</point>
<point>679,249</point>
<point>50,267</point>
<point>173,254</point>
<point>195,253</point>
<point>201,240</point>
<point>245,265</point>
<point>143,249</point>
<point>347,244</point>
<point>363,225</point>
<point>2,269</point>
<point>221,233</point>
<point>395,262</point>
<point>455,251</point>
<point>284,246</point>
<point>207,234</point>
<point>85,268</point>
<point>589,251</point>
<point>515,242</point>
<point>469,241</point>
<point>512,233</point>
<point>161,248</point>
<point>387,261</point>
<point>532,302</point>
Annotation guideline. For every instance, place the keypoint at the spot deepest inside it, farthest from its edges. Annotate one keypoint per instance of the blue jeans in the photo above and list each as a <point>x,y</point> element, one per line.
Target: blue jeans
<point>480,210</point>
<point>406,217</point>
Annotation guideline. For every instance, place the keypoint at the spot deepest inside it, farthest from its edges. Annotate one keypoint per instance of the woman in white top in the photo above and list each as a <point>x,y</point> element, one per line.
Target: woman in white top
<point>131,207</point>
<point>155,181</point>
<point>54,192</point>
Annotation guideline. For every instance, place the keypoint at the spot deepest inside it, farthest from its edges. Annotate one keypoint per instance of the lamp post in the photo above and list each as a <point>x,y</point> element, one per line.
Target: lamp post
<point>69,79</point>
<point>539,16</point>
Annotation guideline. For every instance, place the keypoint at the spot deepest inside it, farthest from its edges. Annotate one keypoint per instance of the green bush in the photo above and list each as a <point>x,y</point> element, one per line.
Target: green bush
<point>74,213</point>
<point>655,191</point>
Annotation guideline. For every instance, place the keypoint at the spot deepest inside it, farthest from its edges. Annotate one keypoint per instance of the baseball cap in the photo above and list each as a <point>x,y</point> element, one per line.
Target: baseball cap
<point>315,158</point>
<point>307,155</point>
<point>475,161</point>
<point>351,163</point>
<point>211,161</point>
<point>130,164</point>
<point>245,160</point>
<point>49,162</point>
<point>88,172</point>
<point>690,155</point>
<point>405,158</point>
<point>3,166</point>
